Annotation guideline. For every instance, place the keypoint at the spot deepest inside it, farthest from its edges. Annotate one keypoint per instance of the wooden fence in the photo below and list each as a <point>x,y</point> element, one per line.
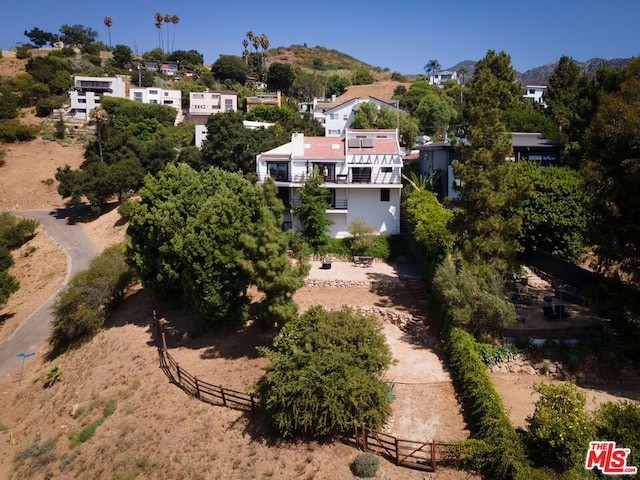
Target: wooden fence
<point>205,391</point>
<point>405,453</point>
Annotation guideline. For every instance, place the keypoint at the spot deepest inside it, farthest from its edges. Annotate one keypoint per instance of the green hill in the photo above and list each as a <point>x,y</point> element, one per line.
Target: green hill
<point>314,57</point>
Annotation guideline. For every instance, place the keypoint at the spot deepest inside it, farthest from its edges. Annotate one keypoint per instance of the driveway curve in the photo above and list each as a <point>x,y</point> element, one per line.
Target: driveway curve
<point>33,331</point>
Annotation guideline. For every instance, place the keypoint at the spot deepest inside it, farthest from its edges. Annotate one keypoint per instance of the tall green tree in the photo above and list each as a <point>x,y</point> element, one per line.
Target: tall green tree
<point>280,76</point>
<point>484,235</point>
<point>40,38</point>
<point>612,173</point>
<point>230,67</point>
<point>314,202</point>
<point>203,238</point>
<point>122,56</point>
<point>336,85</point>
<point>268,262</point>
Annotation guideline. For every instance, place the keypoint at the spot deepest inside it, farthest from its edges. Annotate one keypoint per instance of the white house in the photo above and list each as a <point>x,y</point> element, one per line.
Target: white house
<point>86,93</point>
<point>337,118</point>
<point>160,96</point>
<point>362,170</point>
<point>203,104</point>
<point>440,77</point>
<point>535,93</point>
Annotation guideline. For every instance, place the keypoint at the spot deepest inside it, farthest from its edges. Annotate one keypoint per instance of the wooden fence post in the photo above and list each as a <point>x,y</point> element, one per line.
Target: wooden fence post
<point>365,446</point>
<point>164,342</point>
<point>433,455</point>
<point>224,400</point>
<point>355,434</point>
<point>197,387</point>
<point>397,451</point>
<point>179,376</point>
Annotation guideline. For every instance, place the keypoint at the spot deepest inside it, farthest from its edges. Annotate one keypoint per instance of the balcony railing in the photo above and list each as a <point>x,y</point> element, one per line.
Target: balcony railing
<point>335,204</point>
<point>338,179</point>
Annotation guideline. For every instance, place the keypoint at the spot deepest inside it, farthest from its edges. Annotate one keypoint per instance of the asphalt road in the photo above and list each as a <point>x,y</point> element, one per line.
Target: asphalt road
<point>32,333</point>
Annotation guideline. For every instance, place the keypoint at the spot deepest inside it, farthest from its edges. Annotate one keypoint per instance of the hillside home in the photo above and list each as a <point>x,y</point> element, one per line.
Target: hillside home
<point>535,93</point>
<point>339,117</point>
<point>362,170</point>
<point>443,76</point>
<point>160,96</point>
<point>203,104</point>
<point>166,67</point>
<point>86,93</point>
<point>274,99</point>
<point>438,157</point>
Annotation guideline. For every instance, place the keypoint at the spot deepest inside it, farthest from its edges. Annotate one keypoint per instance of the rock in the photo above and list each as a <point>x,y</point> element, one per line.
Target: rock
<point>74,409</point>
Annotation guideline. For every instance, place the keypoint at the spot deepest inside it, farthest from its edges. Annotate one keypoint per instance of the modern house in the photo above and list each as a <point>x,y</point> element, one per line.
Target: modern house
<point>362,170</point>
<point>203,104</point>
<point>160,96</point>
<point>166,67</point>
<point>437,158</point>
<point>86,93</point>
<point>535,93</point>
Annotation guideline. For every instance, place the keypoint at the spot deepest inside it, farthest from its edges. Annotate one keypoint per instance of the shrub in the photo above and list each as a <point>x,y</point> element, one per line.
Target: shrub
<point>365,465</point>
<point>40,454</point>
<point>559,429</point>
<point>12,131</point>
<point>81,309</point>
<point>620,422</point>
<point>16,232</point>
<point>361,236</point>
<point>23,52</point>
<point>325,372</point>
<point>52,376</point>
<point>6,259</point>
<point>8,285</point>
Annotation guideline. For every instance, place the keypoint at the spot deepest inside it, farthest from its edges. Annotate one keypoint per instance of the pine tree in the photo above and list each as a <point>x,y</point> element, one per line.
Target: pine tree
<point>484,234</point>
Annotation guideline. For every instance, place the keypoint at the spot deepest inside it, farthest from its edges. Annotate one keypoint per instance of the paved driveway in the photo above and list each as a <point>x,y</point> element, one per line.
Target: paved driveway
<point>32,333</point>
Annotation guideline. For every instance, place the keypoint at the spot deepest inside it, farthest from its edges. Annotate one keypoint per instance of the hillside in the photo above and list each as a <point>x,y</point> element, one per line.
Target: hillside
<point>304,56</point>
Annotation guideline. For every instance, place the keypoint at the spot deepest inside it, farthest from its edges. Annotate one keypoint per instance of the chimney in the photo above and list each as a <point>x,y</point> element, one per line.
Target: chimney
<point>333,98</point>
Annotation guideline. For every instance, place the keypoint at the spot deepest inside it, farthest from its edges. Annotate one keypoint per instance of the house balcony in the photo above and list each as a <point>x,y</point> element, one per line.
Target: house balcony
<point>335,204</point>
<point>336,180</point>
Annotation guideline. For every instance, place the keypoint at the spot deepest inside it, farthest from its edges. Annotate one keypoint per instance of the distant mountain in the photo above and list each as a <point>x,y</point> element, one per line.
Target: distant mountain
<point>540,75</point>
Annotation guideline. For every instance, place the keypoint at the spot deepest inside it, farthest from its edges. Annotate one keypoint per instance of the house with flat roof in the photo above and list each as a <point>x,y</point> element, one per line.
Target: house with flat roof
<point>274,99</point>
<point>535,93</point>
<point>159,96</point>
<point>361,170</point>
<point>203,104</point>
<point>86,93</point>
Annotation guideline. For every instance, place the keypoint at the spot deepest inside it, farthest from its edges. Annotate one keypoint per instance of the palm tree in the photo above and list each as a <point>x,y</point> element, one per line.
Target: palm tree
<point>431,68</point>
<point>108,22</point>
<point>264,43</point>
<point>175,19</point>
<point>167,19</point>
<point>245,51</point>
<point>462,71</point>
<point>158,17</point>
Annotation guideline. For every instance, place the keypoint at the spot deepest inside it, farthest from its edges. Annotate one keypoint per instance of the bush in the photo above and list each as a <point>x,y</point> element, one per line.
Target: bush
<point>474,302</point>
<point>365,465</point>
<point>15,232</point>
<point>6,259</point>
<point>8,285</point>
<point>82,308</point>
<point>12,131</point>
<point>559,429</point>
<point>325,372</point>
<point>620,422</point>
<point>23,52</point>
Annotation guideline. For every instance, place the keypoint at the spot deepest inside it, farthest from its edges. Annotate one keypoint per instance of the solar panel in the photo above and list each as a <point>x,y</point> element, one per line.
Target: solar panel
<point>354,143</point>
<point>367,143</point>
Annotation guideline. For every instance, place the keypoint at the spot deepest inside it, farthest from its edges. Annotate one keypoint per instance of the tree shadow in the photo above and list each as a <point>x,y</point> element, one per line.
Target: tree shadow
<point>82,213</point>
<point>6,316</point>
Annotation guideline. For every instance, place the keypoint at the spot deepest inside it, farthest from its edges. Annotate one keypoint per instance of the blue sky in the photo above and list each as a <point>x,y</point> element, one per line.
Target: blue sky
<point>401,36</point>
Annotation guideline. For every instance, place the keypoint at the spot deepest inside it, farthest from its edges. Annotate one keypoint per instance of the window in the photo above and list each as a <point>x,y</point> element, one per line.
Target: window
<point>333,116</point>
<point>153,92</point>
<point>386,169</point>
<point>197,95</point>
<point>385,195</point>
<point>137,95</point>
<point>334,132</point>
<point>345,117</point>
<point>278,171</point>
<point>228,104</point>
